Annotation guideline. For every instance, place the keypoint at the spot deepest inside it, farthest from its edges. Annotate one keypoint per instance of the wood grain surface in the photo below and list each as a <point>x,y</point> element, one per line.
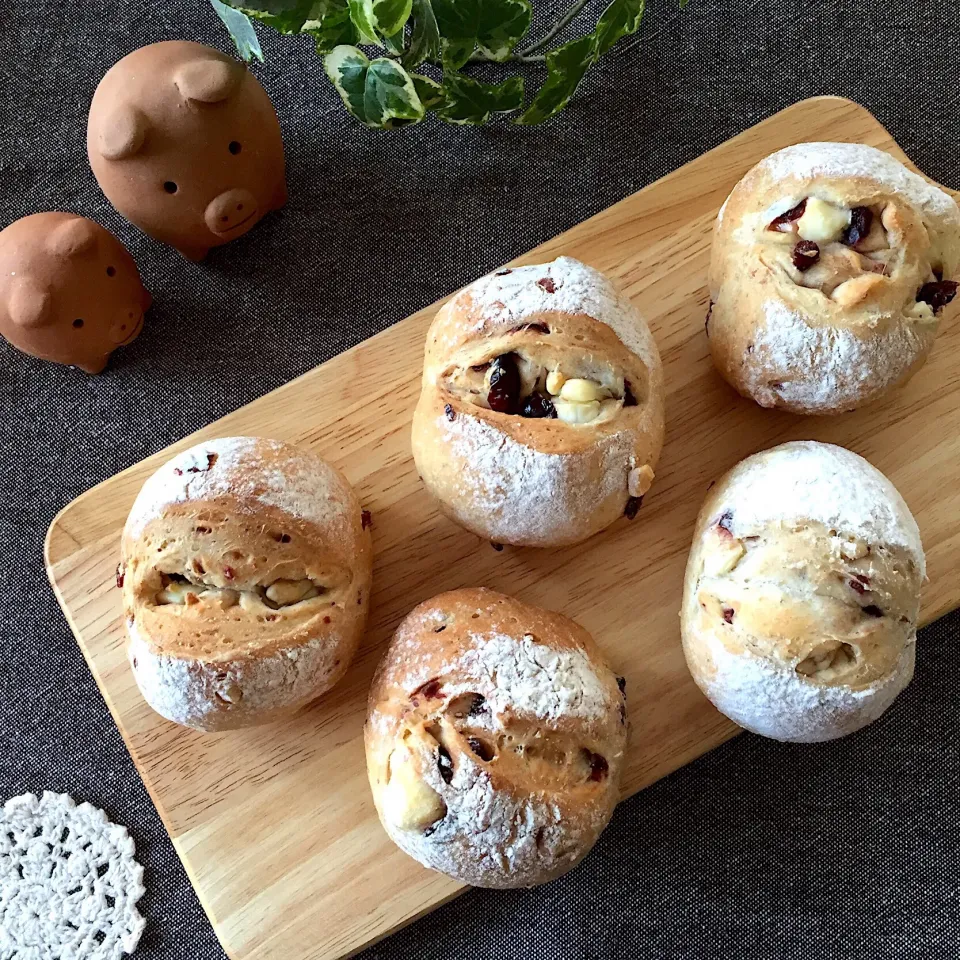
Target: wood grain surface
<point>275,826</point>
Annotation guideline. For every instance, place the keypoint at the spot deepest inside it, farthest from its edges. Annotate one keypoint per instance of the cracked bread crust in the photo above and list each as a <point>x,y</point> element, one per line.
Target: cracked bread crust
<point>495,737</point>
<point>539,480</point>
<point>800,624</point>
<point>246,570</point>
<point>824,325</point>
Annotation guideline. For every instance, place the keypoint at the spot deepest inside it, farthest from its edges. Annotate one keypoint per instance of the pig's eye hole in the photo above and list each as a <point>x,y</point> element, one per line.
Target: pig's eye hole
<point>78,323</point>
<point>170,187</point>
<point>235,147</point>
<point>111,271</point>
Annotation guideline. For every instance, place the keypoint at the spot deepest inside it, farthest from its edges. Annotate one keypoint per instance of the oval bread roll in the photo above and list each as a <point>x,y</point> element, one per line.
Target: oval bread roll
<point>495,737</point>
<point>246,568</point>
<point>802,593</point>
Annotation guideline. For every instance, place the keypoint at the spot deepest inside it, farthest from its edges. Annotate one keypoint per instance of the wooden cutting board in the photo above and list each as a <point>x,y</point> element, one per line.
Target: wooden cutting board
<point>275,826</point>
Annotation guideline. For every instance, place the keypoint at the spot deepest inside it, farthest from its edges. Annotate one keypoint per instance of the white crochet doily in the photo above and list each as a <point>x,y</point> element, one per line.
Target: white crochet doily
<point>68,882</point>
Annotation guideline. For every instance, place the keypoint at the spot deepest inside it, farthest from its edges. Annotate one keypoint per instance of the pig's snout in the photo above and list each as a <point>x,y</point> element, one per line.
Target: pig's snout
<point>230,211</point>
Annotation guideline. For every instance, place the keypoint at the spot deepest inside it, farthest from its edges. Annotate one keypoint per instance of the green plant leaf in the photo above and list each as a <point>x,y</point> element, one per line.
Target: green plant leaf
<point>361,13</point>
<point>430,92</point>
<point>424,35</point>
<point>469,101</point>
<point>619,20</point>
<point>394,44</point>
<point>459,22</point>
<point>330,25</point>
<point>379,93</point>
<point>502,24</point>
<point>241,30</point>
<point>287,16</point>
<point>390,16</point>
<point>565,69</point>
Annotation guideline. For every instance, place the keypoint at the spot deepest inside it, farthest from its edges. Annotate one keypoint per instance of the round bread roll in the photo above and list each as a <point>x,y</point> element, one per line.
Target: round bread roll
<point>246,567</point>
<point>831,264</point>
<point>802,592</point>
<point>495,738</point>
<point>541,415</point>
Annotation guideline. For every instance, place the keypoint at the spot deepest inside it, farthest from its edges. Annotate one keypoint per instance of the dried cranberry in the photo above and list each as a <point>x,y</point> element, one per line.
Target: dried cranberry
<point>178,471</point>
<point>326,620</point>
<point>861,219</point>
<point>938,294</point>
<point>444,763</point>
<point>229,573</point>
<point>629,400</point>
<point>805,254</point>
<point>623,714</point>
<point>119,576</point>
<point>728,614</point>
<point>546,283</point>
<point>440,629</point>
<point>858,586</point>
<point>791,216</point>
<point>366,519</point>
<point>873,611</point>
<point>633,505</point>
<point>504,394</point>
<point>622,685</point>
<point>598,766</point>
<point>448,410</point>
<point>503,273</point>
<point>432,689</point>
<point>538,407</point>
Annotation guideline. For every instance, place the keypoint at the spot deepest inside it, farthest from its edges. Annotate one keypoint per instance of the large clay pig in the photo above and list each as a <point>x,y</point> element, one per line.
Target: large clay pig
<point>69,291</point>
<point>186,144</point>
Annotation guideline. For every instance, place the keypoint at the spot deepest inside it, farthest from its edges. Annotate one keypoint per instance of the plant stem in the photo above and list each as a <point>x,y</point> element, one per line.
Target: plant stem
<point>558,27</point>
<point>479,57</point>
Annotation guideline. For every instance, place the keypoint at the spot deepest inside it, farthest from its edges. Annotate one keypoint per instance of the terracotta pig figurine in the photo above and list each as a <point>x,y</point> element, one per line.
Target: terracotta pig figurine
<point>185,143</point>
<point>69,291</point>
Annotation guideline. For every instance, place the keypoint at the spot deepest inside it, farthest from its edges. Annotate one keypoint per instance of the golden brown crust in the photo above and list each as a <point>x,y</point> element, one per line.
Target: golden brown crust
<point>495,738</point>
<point>246,567</point>
<point>538,481</point>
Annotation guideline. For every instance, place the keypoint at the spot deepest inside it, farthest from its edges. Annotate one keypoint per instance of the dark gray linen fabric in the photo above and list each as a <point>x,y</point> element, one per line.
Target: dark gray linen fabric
<point>759,850</point>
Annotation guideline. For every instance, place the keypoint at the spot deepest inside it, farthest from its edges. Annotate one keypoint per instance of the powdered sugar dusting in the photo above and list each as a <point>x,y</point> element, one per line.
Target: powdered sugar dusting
<point>528,495</point>
<point>825,368</point>
<point>185,689</point>
<point>568,286</point>
<point>808,480</point>
<point>807,161</point>
<point>774,701</point>
<point>306,487</point>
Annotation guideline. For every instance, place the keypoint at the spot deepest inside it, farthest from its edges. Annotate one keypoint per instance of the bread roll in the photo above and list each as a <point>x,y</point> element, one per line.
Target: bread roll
<point>540,420</point>
<point>246,571</point>
<point>495,738</point>
<point>802,593</point>
<point>831,266</point>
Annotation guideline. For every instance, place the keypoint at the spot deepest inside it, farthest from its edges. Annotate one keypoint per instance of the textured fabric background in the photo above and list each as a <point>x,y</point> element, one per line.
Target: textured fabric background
<point>758,850</point>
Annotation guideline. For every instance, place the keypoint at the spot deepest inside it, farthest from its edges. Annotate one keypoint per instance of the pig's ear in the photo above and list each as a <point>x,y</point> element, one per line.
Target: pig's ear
<point>29,304</point>
<point>122,131</point>
<point>73,237</point>
<point>208,80</point>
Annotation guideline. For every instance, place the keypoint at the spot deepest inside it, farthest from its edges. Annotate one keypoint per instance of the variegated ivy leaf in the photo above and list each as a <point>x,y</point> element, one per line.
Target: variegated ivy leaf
<point>241,30</point>
<point>469,101</point>
<point>361,13</point>
<point>424,35</point>
<point>502,24</point>
<point>379,93</point>
<point>619,20</point>
<point>330,25</point>
<point>390,16</point>
<point>565,69</point>
<point>458,21</point>
<point>430,92</point>
<point>287,16</point>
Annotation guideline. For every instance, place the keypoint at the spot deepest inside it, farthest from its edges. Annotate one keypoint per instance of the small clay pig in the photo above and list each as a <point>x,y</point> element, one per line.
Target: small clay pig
<point>186,144</point>
<point>69,291</point>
